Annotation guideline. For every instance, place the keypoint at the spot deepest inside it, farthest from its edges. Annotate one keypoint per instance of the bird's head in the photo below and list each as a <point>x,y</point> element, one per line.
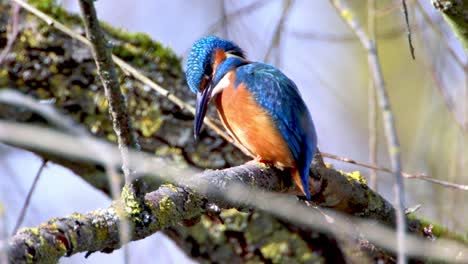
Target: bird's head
<point>206,54</point>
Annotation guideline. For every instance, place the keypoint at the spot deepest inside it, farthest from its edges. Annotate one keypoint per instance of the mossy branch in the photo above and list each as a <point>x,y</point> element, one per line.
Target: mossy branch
<point>169,205</point>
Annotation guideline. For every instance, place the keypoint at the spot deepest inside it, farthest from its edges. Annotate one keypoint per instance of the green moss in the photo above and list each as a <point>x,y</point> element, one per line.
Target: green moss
<point>354,176</point>
<point>275,250</point>
<point>166,209</point>
<point>284,247</point>
<point>33,230</point>
<point>259,227</point>
<point>216,231</point>
<point>198,232</point>
<point>101,234</point>
<point>46,250</point>
<point>234,220</point>
<point>149,122</point>
<point>375,202</point>
<point>170,186</point>
<point>131,205</point>
<point>438,230</point>
<point>137,44</point>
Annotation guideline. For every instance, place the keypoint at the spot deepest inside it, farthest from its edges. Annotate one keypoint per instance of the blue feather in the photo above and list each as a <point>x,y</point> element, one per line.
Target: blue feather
<point>200,59</point>
<point>279,96</point>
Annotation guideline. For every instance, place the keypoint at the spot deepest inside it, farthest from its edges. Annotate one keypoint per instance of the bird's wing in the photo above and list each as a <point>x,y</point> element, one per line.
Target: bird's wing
<point>279,96</point>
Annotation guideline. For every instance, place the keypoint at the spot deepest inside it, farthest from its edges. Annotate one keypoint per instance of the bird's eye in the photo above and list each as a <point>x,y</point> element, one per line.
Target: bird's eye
<point>204,82</point>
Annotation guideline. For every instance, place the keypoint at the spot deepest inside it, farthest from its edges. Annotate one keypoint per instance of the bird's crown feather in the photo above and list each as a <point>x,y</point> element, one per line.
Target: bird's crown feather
<point>200,59</point>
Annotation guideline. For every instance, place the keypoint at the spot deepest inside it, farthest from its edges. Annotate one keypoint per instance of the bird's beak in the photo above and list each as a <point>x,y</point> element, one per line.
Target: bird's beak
<point>203,98</point>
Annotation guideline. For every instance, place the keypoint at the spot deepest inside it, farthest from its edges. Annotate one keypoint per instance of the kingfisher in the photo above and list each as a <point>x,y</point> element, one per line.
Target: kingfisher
<point>258,105</point>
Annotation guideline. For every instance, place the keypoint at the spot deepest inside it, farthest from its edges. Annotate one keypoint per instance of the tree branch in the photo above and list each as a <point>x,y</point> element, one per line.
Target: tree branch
<point>117,105</point>
<point>391,134</point>
<point>170,205</point>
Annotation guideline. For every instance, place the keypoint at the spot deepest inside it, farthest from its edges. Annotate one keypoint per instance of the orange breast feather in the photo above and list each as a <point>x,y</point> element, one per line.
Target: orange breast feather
<point>251,126</point>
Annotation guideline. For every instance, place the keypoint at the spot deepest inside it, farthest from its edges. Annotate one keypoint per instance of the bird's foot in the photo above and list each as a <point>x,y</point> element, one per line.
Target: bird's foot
<point>259,160</point>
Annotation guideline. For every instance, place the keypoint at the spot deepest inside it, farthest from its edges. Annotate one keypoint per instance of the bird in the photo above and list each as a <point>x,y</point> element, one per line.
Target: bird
<point>260,107</point>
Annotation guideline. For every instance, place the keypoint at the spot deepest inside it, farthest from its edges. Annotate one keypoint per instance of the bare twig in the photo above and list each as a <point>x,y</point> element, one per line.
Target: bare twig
<point>408,28</point>
<point>419,176</point>
<point>276,40</point>
<point>372,105</point>
<point>388,118</point>
<point>27,201</point>
<point>122,123</point>
<point>117,105</point>
<point>12,31</point>
<point>224,21</point>
<point>393,33</point>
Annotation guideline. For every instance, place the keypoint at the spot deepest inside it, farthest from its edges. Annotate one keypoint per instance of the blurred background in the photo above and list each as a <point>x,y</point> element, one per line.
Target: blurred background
<point>309,42</point>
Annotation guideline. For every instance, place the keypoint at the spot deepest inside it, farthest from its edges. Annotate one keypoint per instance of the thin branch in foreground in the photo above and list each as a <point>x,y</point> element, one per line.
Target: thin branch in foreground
<point>389,122</point>
<point>121,121</point>
<point>12,32</point>
<point>408,28</point>
<point>135,189</point>
<point>372,105</point>
<point>27,201</point>
<point>229,187</point>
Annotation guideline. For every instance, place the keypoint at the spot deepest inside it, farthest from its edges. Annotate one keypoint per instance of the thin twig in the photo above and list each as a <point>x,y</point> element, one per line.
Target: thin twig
<point>388,118</point>
<point>12,32</point>
<point>392,33</point>
<point>241,11</point>
<point>27,201</point>
<point>224,19</point>
<point>419,176</point>
<point>408,28</point>
<point>121,121</point>
<point>372,105</point>
<point>276,40</point>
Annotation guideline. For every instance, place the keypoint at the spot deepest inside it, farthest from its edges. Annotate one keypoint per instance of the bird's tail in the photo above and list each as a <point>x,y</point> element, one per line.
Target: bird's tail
<point>301,182</point>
